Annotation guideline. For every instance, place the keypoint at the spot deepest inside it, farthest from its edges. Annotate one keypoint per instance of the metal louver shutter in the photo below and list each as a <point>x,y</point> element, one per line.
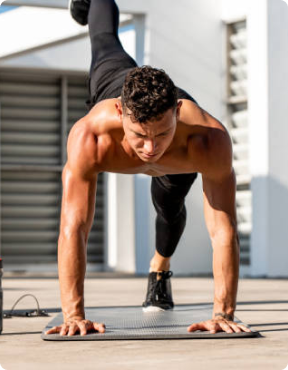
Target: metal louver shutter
<point>238,126</point>
<point>30,213</point>
<point>34,122</point>
<point>30,120</point>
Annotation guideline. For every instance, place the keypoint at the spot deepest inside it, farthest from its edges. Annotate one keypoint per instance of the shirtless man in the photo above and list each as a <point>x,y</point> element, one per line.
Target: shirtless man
<point>139,122</point>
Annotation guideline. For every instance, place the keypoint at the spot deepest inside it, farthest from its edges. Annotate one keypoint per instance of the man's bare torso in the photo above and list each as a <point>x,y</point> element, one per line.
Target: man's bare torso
<point>189,151</point>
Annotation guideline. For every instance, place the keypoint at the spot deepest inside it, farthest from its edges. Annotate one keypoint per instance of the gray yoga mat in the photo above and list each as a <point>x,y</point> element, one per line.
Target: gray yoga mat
<point>123,323</point>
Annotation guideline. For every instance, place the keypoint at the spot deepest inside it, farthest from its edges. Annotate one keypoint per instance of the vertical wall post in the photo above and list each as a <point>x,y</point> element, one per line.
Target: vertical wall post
<point>64,117</point>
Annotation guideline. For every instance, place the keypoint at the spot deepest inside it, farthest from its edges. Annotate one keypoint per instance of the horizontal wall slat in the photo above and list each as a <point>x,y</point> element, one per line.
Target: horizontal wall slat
<point>29,249</point>
<point>23,101</point>
<point>36,177</point>
<point>30,236</point>
<point>36,224</point>
<point>30,138</point>
<point>9,125</point>
<point>28,187</point>
<point>31,113</point>
<point>32,160</point>
<point>28,89</point>
<point>30,150</point>
<point>42,248</point>
<point>37,200</point>
<point>26,211</point>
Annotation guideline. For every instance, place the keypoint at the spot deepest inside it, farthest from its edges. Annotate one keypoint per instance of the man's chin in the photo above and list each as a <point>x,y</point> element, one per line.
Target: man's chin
<point>149,158</point>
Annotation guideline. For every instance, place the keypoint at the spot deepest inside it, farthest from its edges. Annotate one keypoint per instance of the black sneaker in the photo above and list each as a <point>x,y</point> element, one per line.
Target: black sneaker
<point>159,292</point>
<point>79,10</point>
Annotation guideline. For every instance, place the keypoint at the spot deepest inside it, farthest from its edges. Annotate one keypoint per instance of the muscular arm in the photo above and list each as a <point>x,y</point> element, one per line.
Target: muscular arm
<point>219,199</point>
<point>219,190</point>
<point>79,179</point>
<point>213,151</point>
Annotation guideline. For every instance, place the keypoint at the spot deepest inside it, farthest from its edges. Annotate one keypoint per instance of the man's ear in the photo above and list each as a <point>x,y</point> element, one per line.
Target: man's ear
<point>179,104</point>
<point>119,108</point>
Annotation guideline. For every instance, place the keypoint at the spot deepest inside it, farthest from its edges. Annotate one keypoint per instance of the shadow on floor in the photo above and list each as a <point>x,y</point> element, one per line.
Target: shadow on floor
<point>263,331</point>
<point>22,333</point>
<point>51,310</point>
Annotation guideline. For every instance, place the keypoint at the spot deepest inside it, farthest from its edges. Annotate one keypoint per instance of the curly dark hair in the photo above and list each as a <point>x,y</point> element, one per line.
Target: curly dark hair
<point>148,93</point>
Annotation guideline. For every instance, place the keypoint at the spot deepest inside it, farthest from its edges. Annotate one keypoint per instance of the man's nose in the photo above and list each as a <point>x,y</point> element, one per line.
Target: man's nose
<point>149,146</point>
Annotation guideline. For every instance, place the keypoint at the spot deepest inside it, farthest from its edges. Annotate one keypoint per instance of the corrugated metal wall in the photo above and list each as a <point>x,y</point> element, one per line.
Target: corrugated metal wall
<point>37,111</point>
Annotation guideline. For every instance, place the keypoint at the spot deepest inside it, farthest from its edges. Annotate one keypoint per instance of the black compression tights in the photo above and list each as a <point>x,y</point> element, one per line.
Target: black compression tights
<point>168,196</point>
<point>103,22</point>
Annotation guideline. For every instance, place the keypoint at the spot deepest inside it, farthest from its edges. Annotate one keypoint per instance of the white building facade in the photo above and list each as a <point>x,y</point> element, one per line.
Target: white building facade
<point>231,56</point>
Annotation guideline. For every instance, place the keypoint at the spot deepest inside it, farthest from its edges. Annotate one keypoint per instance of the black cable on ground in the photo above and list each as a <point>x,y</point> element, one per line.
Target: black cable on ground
<point>25,313</point>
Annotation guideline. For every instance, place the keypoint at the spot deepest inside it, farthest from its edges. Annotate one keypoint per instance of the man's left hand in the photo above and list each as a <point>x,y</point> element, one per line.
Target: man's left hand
<point>219,324</point>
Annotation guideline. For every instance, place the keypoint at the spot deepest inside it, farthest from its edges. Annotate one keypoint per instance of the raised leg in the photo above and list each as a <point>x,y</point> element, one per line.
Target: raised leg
<point>103,22</point>
<point>110,62</point>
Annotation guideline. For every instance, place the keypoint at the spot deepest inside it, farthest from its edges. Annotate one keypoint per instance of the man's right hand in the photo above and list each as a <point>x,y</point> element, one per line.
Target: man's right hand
<point>74,326</point>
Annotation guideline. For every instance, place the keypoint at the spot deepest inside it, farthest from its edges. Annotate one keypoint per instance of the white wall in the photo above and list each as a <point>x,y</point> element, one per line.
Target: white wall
<point>232,10</point>
<point>258,133</point>
<point>121,253</point>
<point>193,62</point>
<point>278,135</point>
<point>268,90</point>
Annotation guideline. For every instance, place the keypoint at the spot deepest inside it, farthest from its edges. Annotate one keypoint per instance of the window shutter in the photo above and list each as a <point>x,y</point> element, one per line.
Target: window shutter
<point>37,112</point>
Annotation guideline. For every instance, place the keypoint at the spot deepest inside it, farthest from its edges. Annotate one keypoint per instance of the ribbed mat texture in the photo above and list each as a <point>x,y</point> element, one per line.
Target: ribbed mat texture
<point>123,323</point>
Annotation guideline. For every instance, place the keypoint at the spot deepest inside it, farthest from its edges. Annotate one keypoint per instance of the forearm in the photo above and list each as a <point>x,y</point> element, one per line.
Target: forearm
<point>226,274</point>
<point>71,270</point>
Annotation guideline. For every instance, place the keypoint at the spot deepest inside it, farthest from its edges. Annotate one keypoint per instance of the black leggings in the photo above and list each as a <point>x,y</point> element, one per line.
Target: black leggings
<point>110,63</point>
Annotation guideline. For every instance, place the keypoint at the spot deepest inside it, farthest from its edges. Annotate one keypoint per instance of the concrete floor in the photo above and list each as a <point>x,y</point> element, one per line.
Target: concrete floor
<point>262,304</point>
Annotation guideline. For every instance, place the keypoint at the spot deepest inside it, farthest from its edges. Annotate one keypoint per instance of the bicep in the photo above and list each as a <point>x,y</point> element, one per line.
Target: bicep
<point>79,183</point>
<point>78,200</point>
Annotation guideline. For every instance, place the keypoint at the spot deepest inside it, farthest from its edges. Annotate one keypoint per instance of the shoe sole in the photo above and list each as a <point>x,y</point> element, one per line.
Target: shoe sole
<point>77,21</point>
<point>155,309</point>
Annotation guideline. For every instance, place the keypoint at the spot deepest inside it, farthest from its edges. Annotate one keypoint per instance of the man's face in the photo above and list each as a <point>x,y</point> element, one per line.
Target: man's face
<point>150,140</point>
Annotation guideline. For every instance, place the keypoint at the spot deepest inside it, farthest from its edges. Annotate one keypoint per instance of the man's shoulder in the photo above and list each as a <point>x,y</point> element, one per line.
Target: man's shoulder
<point>105,108</point>
<point>219,151</point>
<point>210,142</point>
<point>82,147</point>
<point>81,134</point>
<point>91,137</point>
<point>103,118</point>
